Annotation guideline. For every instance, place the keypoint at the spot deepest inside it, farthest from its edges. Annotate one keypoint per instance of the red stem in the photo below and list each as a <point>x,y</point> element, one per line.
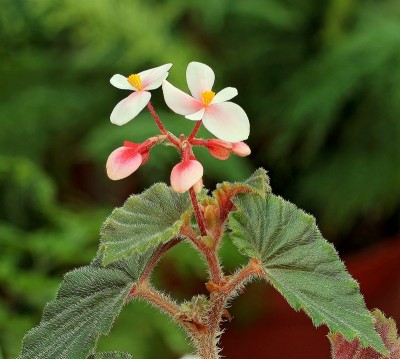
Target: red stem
<point>199,215</point>
<point>195,130</point>
<point>160,125</point>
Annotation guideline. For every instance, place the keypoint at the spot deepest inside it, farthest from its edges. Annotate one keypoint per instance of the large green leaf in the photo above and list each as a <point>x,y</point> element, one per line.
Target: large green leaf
<point>144,221</point>
<point>88,301</point>
<point>302,265</point>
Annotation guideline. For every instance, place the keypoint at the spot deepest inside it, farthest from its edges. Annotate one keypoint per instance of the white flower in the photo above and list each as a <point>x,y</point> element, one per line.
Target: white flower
<point>140,84</point>
<point>225,120</point>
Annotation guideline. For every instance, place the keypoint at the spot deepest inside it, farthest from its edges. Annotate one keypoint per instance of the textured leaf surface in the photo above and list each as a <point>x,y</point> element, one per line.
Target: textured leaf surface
<point>87,303</point>
<point>144,221</point>
<point>302,265</point>
<point>386,328</point>
<point>112,355</point>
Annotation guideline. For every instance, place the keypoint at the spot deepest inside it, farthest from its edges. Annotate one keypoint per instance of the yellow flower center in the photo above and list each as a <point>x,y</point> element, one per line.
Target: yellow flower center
<point>207,97</point>
<point>135,81</point>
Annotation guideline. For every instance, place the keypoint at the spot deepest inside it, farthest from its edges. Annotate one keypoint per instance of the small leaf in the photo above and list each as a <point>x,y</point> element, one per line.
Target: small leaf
<point>302,265</point>
<point>144,221</point>
<point>386,328</point>
<point>257,183</point>
<point>112,355</point>
<point>88,302</point>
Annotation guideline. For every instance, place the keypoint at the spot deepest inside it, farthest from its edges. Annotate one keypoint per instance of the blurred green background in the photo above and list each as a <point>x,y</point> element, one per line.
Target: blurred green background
<point>320,81</point>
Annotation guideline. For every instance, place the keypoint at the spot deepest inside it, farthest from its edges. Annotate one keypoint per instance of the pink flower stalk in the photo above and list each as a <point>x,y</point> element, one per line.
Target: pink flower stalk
<point>140,84</point>
<point>225,120</point>
<point>125,160</point>
<point>185,175</point>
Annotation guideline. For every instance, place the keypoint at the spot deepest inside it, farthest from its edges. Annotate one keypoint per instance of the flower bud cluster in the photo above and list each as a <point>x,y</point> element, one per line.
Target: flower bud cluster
<point>226,120</point>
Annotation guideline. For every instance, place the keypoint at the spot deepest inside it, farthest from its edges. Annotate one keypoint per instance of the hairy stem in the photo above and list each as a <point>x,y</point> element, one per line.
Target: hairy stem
<point>156,257</point>
<point>207,343</point>
<point>209,253</point>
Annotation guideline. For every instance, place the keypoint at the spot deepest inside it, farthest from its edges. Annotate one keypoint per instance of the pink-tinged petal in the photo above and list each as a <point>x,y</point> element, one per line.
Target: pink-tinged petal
<point>199,77</point>
<point>219,149</point>
<point>178,101</point>
<point>225,94</point>
<point>153,78</point>
<point>129,107</point>
<point>185,175</point>
<point>227,121</point>
<point>241,149</point>
<point>122,162</point>
<point>121,82</point>
<point>197,116</point>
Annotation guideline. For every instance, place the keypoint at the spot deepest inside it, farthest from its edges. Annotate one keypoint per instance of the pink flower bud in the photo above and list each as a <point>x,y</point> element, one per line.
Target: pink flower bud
<point>185,175</point>
<point>241,149</point>
<point>122,162</point>
<point>219,149</point>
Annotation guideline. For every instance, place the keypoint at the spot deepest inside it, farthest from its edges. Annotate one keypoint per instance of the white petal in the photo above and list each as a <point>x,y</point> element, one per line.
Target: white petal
<point>227,121</point>
<point>178,101</point>
<point>225,94</point>
<point>197,116</point>
<point>121,82</point>
<point>153,78</point>
<point>200,78</point>
<point>129,107</point>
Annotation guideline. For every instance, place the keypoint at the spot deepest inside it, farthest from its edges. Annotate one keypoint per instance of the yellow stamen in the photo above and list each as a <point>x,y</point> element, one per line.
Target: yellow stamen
<point>135,81</point>
<point>207,97</point>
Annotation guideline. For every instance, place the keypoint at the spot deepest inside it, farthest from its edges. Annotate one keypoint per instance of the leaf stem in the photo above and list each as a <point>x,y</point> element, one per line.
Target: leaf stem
<point>156,257</point>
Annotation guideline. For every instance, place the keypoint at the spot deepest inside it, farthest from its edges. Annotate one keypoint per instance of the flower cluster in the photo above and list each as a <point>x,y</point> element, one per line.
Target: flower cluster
<point>224,119</point>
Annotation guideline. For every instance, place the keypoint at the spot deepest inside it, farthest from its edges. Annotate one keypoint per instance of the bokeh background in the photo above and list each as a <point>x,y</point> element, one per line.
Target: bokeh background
<point>320,81</point>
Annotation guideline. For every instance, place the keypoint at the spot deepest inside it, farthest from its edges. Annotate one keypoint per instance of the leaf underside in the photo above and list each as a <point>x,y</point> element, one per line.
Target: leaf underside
<point>144,221</point>
<point>302,265</point>
<point>88,302</point>
<point>386,328</point>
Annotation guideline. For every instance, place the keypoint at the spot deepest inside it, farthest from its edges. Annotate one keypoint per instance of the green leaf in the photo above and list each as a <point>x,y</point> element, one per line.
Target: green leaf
<point>112,355</point>
<point>87,304</point>
<point>259,182</point>
<point>144,221</point>
<point>302,265</point>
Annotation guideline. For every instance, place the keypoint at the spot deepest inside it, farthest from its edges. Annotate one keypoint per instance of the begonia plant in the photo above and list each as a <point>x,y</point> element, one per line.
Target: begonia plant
<point>282,243</point>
